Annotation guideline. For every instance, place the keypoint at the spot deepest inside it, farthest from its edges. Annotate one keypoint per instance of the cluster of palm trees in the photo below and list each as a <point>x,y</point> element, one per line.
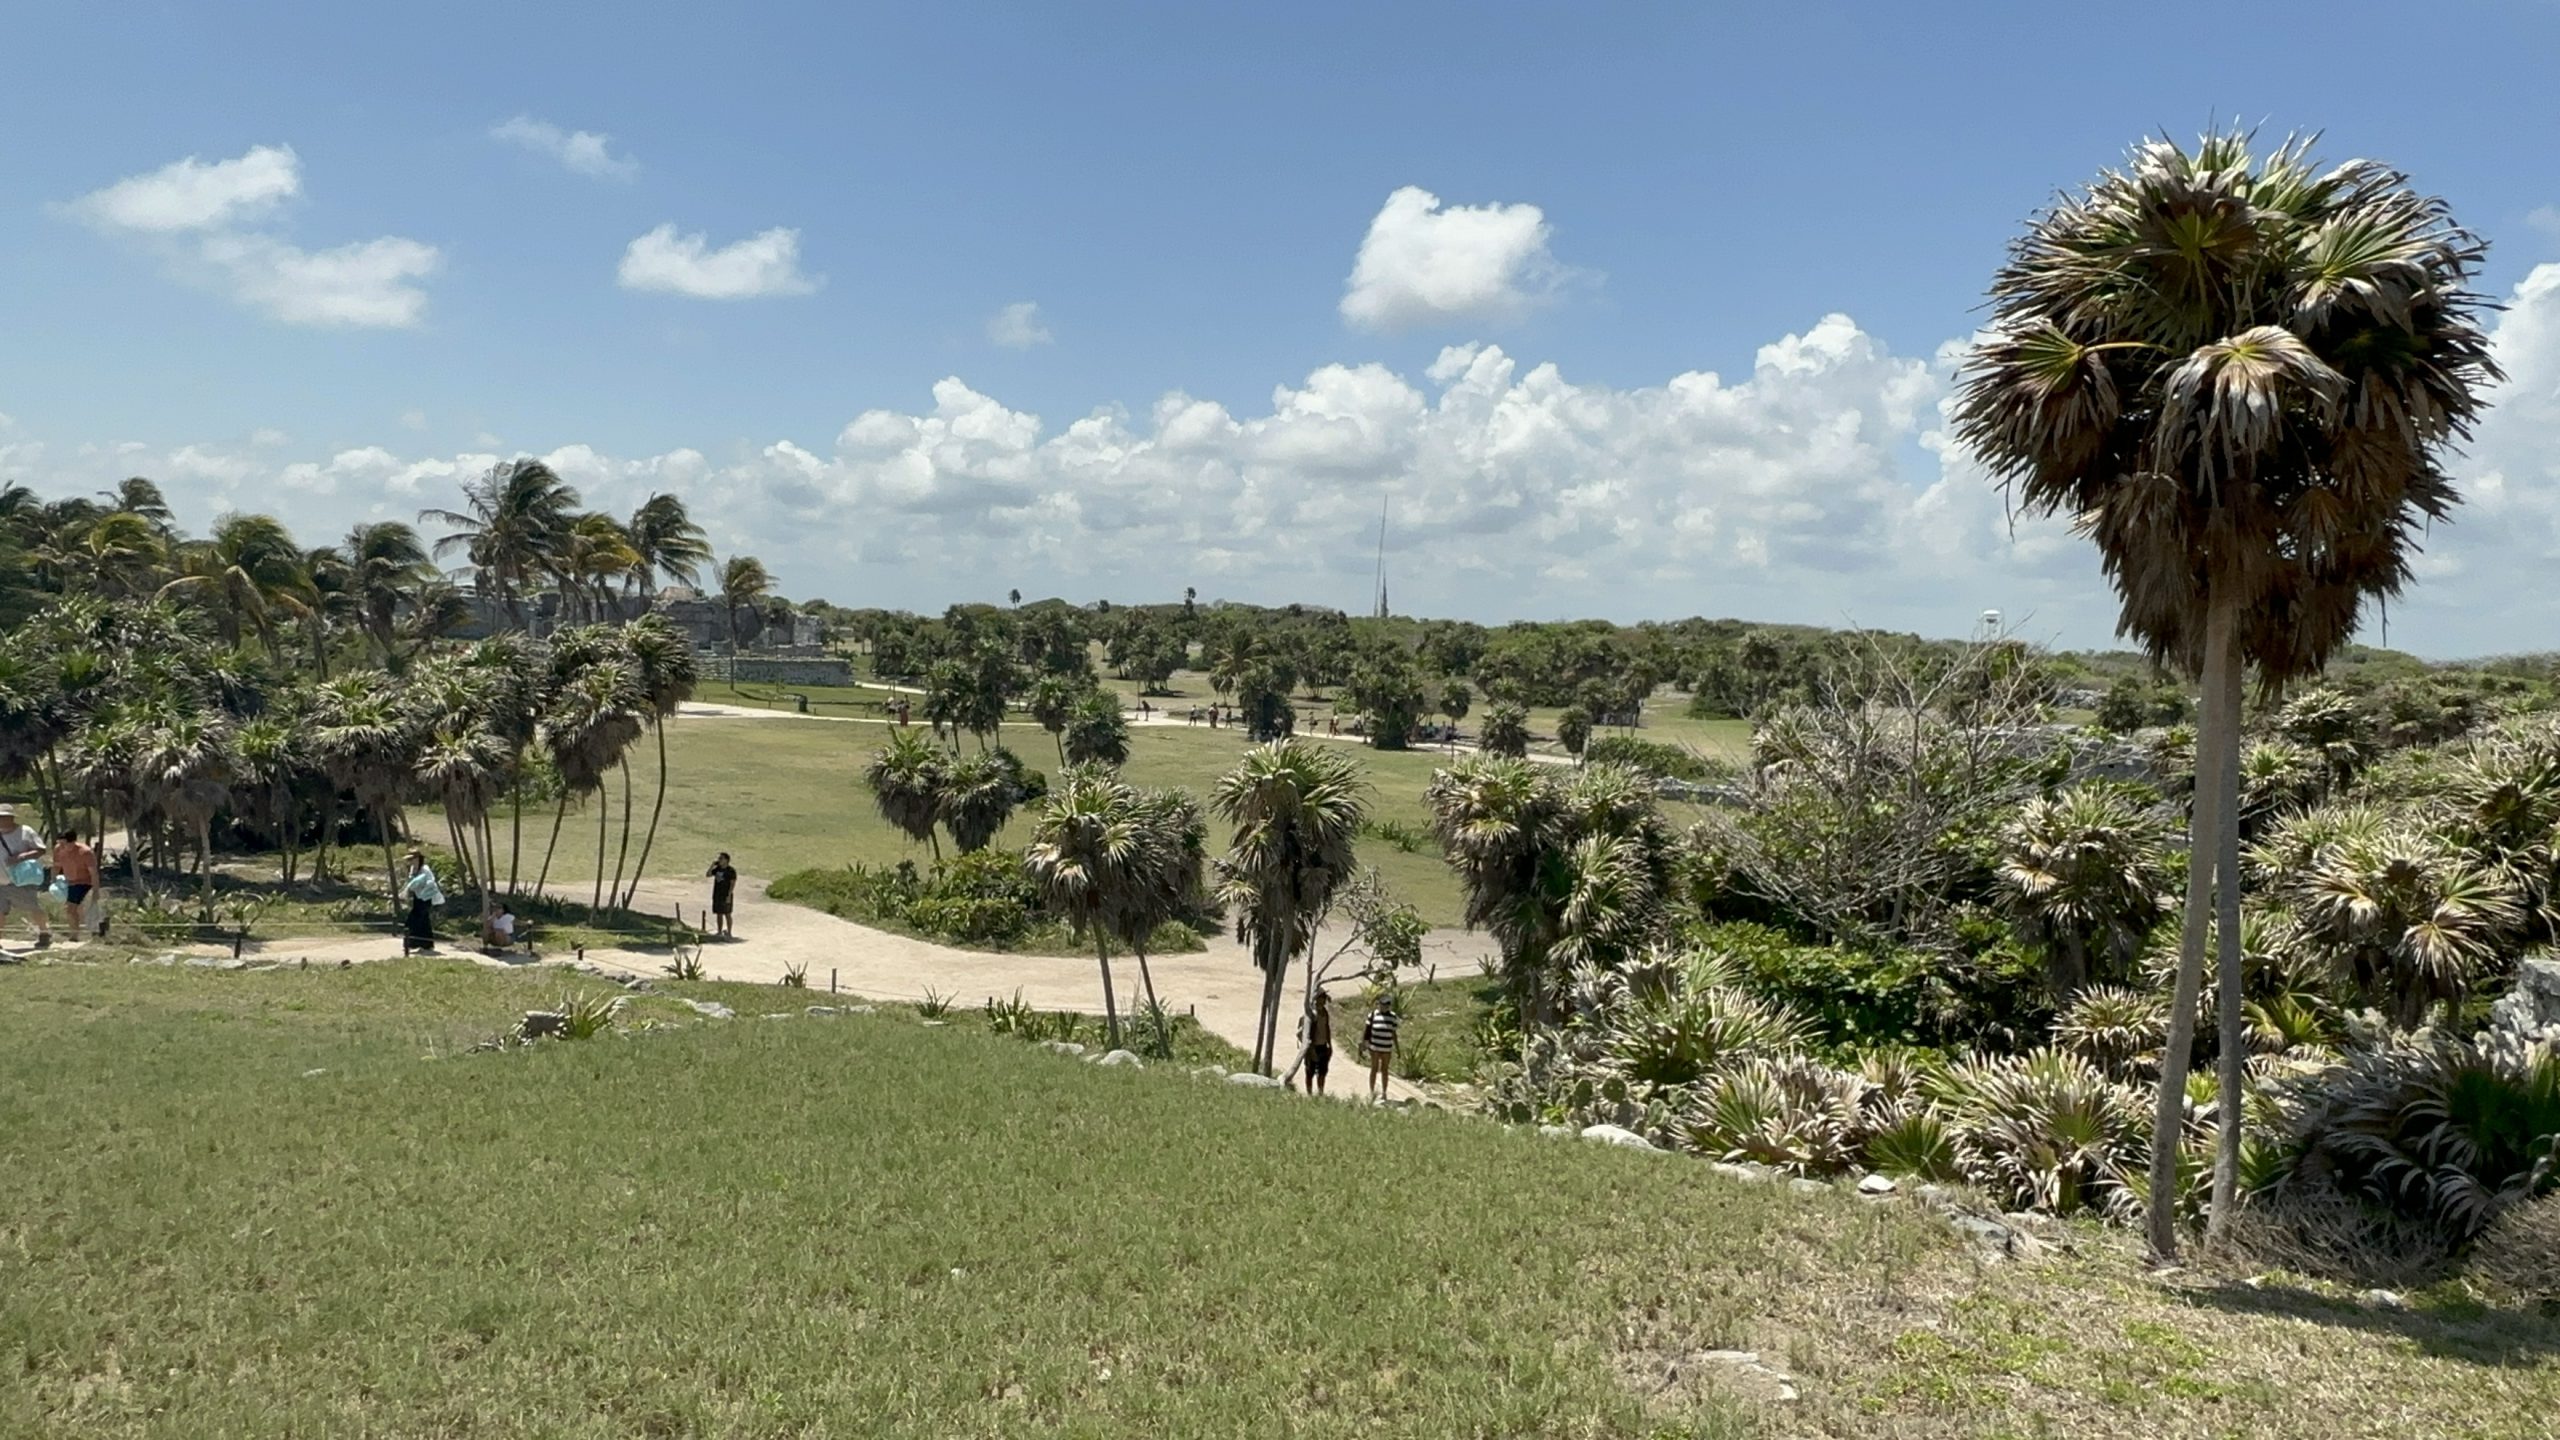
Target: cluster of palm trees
<point>138,717</point>
<point>375,596</point>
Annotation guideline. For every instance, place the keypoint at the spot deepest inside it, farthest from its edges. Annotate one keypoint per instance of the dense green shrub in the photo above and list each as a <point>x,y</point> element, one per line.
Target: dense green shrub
<point>1671,762</point>
<point>2447,1133</point>
<point>982,899</point>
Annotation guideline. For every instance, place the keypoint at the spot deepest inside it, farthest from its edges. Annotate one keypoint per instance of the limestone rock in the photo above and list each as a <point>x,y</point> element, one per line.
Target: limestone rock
<point>1744,1372</point>
<point>1258,1082</point>
<point>712,1008</point>
<point>1617,1135</point>
<point>1803,1186</point>
<point>2533,1006</point>
<point>1875,1185</point>
<point>1750,1174</point>
<point>824,1010</point>
<point>1118,1058</point>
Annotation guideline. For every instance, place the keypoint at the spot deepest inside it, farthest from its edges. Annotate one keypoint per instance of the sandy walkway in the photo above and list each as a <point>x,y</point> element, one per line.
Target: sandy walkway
<point>1218,984</point>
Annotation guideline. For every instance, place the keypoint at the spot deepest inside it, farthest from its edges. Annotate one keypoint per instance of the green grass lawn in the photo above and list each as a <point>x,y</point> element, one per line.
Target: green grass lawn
<point>788,795</point>
<point>286,1204</point>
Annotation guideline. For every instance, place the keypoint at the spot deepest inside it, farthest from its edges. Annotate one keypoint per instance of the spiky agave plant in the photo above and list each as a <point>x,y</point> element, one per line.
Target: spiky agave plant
<point>2446,1132</point>
<point>2406,920</point>
<point>2120,1030</point>
<point>1795,1115</point>
<point>2042,1130</point>
<point>1682,1034</point>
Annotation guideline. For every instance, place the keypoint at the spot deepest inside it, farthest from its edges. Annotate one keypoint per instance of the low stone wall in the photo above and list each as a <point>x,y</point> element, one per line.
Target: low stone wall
<point>771,670</point>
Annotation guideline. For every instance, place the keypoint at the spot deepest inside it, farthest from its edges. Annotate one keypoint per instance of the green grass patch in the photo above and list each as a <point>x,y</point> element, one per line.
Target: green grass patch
<point>289,1203</point>
<point>783,795</point>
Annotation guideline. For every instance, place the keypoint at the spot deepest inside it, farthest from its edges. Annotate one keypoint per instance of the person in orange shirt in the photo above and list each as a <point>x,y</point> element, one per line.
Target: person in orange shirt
<point>77,865</point>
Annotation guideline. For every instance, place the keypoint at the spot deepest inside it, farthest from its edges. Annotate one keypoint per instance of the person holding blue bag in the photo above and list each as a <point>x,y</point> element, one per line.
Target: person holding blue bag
<point>22,875</point>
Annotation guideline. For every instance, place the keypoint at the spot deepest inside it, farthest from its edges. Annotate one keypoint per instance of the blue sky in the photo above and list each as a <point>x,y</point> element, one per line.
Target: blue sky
<point>1183,193</point>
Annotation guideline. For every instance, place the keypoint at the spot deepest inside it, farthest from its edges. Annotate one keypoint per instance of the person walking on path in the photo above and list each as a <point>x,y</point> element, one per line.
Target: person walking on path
<point>22,876</point>
<point>423,895</point>
<point>1315,1035</point>
<point>1378,1037</point>
<point>724,895</point>
<point>76,865</point>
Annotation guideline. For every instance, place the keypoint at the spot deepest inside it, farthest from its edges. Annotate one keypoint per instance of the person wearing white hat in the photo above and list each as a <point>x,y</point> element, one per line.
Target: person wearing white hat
<point>22,875</point>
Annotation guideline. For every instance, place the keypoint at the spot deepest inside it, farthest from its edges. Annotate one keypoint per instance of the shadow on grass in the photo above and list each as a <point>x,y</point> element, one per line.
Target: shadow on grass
<point>2456,1329</point>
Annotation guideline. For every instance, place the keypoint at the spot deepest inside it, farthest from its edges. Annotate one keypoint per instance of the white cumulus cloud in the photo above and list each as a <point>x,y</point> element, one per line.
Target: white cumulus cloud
<point>1018,326</point>
<point>584,151</point>
<point>1817,483</point>
<point>767,263</point>
<point>372,283</point>
<point>203,221</point>
<point>192,195</point>
<point>1424,262</point>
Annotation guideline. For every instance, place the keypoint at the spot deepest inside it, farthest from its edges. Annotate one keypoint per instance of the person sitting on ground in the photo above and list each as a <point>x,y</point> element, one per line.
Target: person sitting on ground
<point>76,865</point>
<point>423,895</point>
<point>724,895</point>
<point>498,933</point>
<point>1378,1037</point>
<point>23,876</point>
<point>1315,1032</point>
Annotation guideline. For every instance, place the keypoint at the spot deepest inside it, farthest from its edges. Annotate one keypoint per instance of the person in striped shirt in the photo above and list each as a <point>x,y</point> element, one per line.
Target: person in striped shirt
<point>1378,1037</point>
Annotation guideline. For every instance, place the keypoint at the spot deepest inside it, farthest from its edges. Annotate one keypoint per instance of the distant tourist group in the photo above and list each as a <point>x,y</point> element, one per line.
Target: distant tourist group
<point>34,878</point>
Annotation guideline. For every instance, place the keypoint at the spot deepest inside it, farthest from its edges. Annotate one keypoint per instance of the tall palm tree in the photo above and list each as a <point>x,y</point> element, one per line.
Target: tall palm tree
<point>2078,870</point>
<point>1296,807</point>
<point>368,743</point>
<point>386,569</point>
<point>978,797</point>
<point>743,585</point>
<point>668,544</point>
<point>185,763</point>
<point>278,774</point>
<point>142,499</point>
<point>1172,884</point>
<point>662,660</point>
<point>511,530</point>
<point>121,554</point>
<point>1053,704</point>
<point>1093,853</point>
<point>907,778</point>
<point>595,557</point>
<point>1564,874</point>
<point>2240,375</point>
<point>245,576</point>
<point>1097,733</point>
<point>593,719</point>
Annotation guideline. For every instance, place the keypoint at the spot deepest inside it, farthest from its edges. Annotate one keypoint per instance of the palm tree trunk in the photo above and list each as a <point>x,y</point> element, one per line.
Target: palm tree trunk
<point>656,807</point>
<point>390,867</point>
<point>604,802</point>
<point>1110,1004</point>
<point>2214,738</point>
<point>515,824</point>
<point>488,866</point>
<point>562,813</point>
<point>1155,1012</point>
<point>2226,1156</point>
<point>204,863</point>
<point>622,856</point>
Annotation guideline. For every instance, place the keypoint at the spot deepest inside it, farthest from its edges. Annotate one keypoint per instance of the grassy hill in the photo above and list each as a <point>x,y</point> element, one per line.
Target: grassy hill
<point>284,1203</point>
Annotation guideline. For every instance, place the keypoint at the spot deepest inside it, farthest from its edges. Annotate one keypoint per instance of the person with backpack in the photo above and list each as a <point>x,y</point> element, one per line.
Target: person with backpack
<point>423,895</point>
